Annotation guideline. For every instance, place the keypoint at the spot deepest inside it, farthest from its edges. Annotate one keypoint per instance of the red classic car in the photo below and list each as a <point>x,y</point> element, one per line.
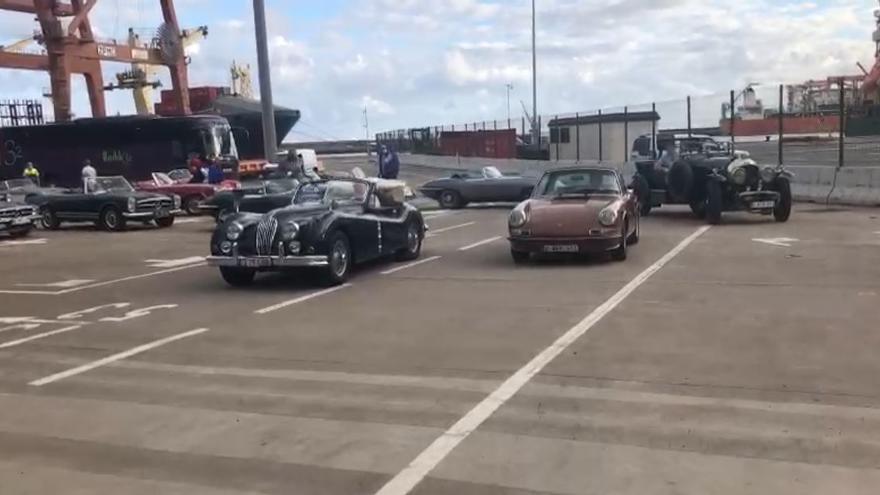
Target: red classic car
<point>586,210</point>
<point>191,194</point>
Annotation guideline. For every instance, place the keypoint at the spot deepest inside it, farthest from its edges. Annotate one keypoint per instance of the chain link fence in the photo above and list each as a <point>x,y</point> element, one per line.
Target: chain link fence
<point>828,123</point>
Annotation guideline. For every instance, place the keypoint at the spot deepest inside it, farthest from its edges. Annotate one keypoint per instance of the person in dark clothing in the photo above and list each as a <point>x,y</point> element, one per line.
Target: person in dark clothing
<point>195,168</point>
<point>391,165</point>
<point>215,173</point>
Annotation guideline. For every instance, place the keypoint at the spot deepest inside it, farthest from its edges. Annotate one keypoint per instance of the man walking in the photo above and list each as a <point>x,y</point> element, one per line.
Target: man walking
<point>88,171</point>
<point>31,172</point>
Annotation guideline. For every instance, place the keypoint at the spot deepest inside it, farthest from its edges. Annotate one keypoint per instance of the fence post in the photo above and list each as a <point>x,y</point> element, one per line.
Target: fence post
<point>558,135</point>
<point>508,122</point>
<point>577,136</point>
<point>781,122</point>
<point>453,127</point>
<point>732,121</point>
<point>625,134</point>
<point>600,135</point>
<point>495,122</point>
<point>689,116</point>
<point>841,138</point>
<point>484,125</point>
<point>654,130</point>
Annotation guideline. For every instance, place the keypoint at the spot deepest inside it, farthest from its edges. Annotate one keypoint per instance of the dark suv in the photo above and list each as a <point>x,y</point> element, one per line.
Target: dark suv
<point>705,174</point>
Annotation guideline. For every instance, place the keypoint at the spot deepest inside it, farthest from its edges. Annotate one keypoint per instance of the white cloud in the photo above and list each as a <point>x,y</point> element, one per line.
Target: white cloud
<point>378,106</point>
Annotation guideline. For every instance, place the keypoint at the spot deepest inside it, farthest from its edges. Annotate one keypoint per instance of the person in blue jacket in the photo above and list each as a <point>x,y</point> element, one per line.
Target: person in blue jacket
<point>389,164</point>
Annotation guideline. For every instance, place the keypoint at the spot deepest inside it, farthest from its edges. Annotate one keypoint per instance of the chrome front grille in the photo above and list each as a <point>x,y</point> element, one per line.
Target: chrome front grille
<point>266,230</point>
<point>153,203</point>
<point>18,212</point>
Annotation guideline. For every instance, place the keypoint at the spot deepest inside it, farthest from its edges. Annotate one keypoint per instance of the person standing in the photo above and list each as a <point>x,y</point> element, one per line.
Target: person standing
<point>31,172</point>
<point>391,167</point>
<point>195,169</point>
<point>88,171</point>
<point>215,173</point>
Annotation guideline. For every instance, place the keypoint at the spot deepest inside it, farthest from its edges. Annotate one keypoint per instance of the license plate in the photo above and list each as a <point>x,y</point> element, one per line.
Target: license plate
<point>21,221</point>
<point>255,262</point>
<point>763,205</point>
<point>162,212</point>
<point>561,248</point>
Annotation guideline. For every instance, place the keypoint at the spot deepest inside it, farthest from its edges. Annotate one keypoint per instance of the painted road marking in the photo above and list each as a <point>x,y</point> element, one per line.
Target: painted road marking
<point>79,314</point>
<point>174,263</point>
<point>24,242</point>
<point>127,279</point>
<point>137,313</point>
<point>416,263</point>
<point>189,220</point>
<point>447,229</point>
<point>300,299</point>
<point>481,243</point>
<point>6,320</point>
<point>27,326</point>
<point>433,455</point>
<point>13,343</point>
<point>116,357</point>
<point>29,292</point>
<point>778,241</point>
<point>64,284</point>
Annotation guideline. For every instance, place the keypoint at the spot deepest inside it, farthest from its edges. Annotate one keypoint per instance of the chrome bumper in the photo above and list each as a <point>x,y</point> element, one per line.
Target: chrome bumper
<point>10,222</point>
<point>268,261</point>
<point>150,214</point>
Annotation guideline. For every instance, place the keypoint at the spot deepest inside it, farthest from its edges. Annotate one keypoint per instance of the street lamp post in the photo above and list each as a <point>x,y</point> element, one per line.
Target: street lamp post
<point>509,88</point>
<point>536,132</point>
<point>269,134</point>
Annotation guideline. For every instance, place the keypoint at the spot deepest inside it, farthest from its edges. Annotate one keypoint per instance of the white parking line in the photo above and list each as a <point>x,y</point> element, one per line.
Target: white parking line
<point>416,263</point>
<point>116,357</point>
<point>433,455</point>
<point>447,229</point>
<point>190,220</point>
<point>13,343</point>
<point>300,299</point>
<point>24,242</point>
<point>127,279</point>
<point>481,243</point>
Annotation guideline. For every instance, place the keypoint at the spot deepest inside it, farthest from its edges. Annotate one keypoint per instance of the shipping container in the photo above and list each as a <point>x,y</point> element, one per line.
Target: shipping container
<point>486,144</point>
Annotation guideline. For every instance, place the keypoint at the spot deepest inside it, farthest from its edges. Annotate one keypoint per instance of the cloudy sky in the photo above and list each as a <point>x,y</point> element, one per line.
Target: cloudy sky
<point>431,62</point>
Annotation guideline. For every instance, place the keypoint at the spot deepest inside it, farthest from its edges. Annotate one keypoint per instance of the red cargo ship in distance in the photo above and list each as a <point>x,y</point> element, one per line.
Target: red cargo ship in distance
<point>244,115</point>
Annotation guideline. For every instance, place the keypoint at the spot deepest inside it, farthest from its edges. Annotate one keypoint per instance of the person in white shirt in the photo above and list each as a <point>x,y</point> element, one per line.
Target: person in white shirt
<point>88,171</point>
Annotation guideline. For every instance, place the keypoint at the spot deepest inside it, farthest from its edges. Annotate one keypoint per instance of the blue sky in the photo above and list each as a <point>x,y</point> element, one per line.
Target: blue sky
<point>413,62</point>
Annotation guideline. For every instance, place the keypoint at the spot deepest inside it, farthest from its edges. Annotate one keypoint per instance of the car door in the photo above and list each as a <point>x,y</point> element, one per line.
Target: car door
<point>392,224</point>
<point>70,205</point>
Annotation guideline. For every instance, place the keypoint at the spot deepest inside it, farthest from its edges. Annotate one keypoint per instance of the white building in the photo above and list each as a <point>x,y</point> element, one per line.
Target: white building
<point>579,138</point>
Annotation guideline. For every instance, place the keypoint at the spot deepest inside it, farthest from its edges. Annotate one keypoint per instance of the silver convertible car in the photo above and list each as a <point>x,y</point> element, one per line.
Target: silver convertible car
<point>489,185</point>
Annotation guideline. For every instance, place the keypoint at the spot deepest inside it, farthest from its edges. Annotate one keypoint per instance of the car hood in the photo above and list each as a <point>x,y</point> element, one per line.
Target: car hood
<point>301,213</point>
<point>569,217</point>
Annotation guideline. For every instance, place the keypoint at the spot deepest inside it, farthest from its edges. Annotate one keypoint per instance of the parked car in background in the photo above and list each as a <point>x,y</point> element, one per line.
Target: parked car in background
<point>709,177</point>
<point>330,225</point>
<point>488,185</point>
<point>22,190</point>
<point>108,201</point>
<point>16,218</point>
<point>579,210</point>
<point>260,196</point>
<point>191,195</point>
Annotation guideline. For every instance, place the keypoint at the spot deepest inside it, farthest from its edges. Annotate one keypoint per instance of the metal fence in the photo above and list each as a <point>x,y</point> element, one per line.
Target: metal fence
<point>832,123</point>
<point>20,112</point>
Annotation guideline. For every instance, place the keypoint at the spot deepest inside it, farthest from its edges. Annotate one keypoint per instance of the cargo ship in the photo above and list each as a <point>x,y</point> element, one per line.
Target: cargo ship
<point>244,115</point>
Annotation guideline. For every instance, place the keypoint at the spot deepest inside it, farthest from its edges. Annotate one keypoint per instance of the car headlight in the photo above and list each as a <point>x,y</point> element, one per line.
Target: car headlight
<point>234,230</point>
<point>176,202</point>
<point>740,176</point>
<point>289,230</point>
<point>226,247</point>
<point>519,216</point>
<point>132,204</point>
<point>768,174</point>
<point>608,216</point>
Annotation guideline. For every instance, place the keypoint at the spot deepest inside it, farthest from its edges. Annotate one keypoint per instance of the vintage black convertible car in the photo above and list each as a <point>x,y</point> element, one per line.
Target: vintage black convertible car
<point>329,224</point>
<point>255,197</point>
<point>108,201</point>
<point>16,218</point>
<point>489,185</point>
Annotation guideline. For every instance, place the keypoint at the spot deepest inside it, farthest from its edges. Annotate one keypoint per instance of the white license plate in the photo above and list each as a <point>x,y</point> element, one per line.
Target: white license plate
<point>255,262</point>
<point>21,221</point>
<point>162,212</point>
<point>763,205</point>
<point>561,248</point>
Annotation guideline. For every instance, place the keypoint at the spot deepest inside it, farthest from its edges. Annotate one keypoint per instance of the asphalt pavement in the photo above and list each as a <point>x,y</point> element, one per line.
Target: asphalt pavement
<point>737,359</point>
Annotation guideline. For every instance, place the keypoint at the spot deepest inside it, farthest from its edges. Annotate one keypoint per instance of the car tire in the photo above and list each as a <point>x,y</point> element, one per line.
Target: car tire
<point>413,247</point>
<point>637,233</point>
<point>680,180</point>
<point>520,257</point>
<point>643,193</point>
<point>699,209</point>
<point>190,205</point>
<point>340,259</point>
<point>450,199</point>
<point>111,219</point>
<point>620,253</point>
<point>237,277</point>
<point>782,211</point>
<point>49,220</point>
<point>713,202</point>
<point>165,222</point>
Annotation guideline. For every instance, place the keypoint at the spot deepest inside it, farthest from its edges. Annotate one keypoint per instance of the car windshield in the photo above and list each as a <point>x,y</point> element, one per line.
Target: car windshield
<point>180,175</point>
<point>163,179</point>
<point>492,173</point>
<point>280,186</point>
<point>578,182</point>
<point>341,191</point>
<point>18,185</point>
<point>100,185</point>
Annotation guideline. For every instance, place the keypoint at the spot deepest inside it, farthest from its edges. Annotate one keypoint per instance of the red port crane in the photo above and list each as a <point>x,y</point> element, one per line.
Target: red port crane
<point>75,50</point>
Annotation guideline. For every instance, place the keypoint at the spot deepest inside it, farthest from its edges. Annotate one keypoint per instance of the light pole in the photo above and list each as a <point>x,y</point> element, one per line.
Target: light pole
<point>536,132</point>
<point>269,136</point>
<point>509,87</point>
